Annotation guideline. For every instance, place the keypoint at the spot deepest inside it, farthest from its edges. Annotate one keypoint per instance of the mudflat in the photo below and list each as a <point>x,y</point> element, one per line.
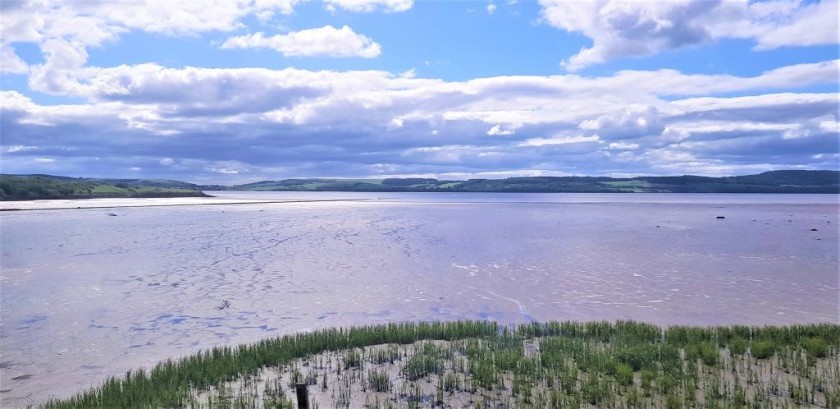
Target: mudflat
<point>90,293</point>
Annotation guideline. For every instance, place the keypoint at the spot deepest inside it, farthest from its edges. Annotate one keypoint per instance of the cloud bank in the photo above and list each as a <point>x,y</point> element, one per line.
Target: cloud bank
<point>246,124</point>
<point>230,125</point>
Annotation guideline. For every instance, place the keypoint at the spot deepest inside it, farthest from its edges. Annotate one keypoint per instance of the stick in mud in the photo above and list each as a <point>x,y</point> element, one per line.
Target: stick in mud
<point>302,396</point>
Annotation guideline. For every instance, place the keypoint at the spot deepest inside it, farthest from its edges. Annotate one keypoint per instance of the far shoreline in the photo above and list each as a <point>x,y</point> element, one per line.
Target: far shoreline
<point>128,206</point>
<point>250,197</point>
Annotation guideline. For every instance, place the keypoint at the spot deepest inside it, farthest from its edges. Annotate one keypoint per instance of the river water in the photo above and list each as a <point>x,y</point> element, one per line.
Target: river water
<point>90,289</point>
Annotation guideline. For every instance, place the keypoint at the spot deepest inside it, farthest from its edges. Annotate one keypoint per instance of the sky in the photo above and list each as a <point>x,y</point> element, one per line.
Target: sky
<point>244,90</point>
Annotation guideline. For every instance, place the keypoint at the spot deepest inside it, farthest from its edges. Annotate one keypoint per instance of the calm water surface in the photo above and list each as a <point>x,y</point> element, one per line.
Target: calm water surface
<point>88,293</point>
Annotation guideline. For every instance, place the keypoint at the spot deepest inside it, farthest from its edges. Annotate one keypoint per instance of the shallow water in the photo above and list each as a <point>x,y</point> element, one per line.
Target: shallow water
<point>85,294</point>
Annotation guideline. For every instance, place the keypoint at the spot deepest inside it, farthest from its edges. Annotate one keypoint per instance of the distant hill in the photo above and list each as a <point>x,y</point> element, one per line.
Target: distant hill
<point>32,187</point>
<point>781,181</point>
<point>35,187</point>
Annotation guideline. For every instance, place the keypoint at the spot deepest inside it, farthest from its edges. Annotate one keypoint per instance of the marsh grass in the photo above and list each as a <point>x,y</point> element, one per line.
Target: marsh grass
<point>472,364</point>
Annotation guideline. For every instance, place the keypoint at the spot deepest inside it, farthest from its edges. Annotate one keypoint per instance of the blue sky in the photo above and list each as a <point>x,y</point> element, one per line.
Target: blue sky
<point>238,91</point>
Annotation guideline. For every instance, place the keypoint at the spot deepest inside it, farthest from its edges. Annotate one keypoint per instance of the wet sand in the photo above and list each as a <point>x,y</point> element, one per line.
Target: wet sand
<point>86,295</point>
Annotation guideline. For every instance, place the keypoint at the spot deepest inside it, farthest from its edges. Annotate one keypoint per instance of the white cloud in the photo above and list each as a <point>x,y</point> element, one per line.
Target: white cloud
<point>497,130</point>
<point>787,23</point>
<point>326,41</point>
<point>507,102</point>
<point>627,29</point>
<point>491,8</point>
<point>671,82</point>
<point>160,100</point>
<point>10,63</point>
<point>700,127</point>
<point>167,161</point>
<point>623,146</point>
<point>92,23</point>
<point>629,123</point>
<point>409,74</point>
<point>15,101</point>
<point>228,167</point>
<point>765,101</point>
<point>19,148</point>
<point>446,154</point>
<point>673,135</point>
<point>396,123</point>
<point>65,30</point>
<point>830,126</point>
<point>560,140</point>
<point>367,6</point>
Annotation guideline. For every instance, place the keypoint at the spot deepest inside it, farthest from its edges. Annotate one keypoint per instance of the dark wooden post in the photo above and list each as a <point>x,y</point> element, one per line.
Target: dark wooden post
<point>302,396</point>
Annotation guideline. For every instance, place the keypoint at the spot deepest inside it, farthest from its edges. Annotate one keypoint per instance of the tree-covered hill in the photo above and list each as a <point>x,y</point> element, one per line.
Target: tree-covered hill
<point>34,187</point>
<point>782,181</point>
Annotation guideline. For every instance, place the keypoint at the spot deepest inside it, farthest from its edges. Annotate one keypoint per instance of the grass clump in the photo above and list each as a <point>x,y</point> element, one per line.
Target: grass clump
<point>379,381</point>
<point>703,351</point>
<point>815,347</point>
<point>352,359</point>
<point>738,346</point>
<point>624,374</point>
<point>763,349</point>
<point>421,365</point>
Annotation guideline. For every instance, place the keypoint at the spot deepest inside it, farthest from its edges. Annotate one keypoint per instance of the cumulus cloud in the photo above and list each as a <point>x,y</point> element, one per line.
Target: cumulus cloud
<point>10,63</point>
<point>195,91</point>
<point>64,31</point>
<point>497,130</point>
<point>326,41</point>
<point>627,124</point>
<point>367,6</point>
<point>788,23</point>
<point>627,29</point>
